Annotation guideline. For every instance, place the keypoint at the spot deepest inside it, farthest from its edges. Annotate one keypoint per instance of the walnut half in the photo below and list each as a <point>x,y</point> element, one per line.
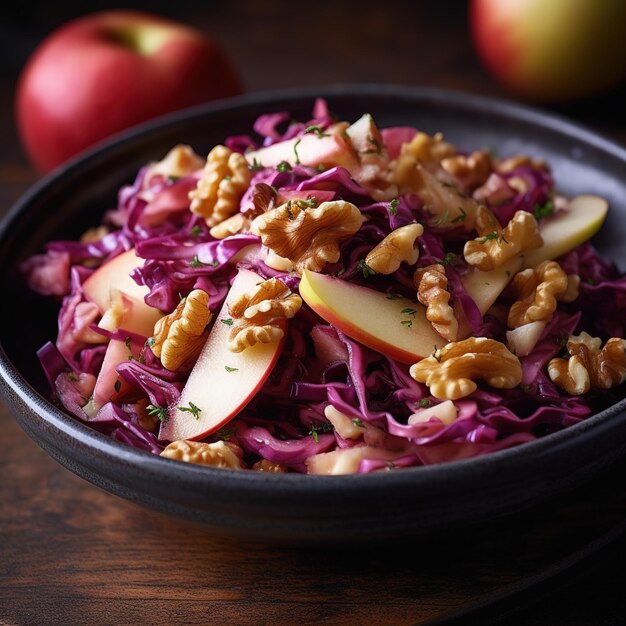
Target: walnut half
<point>308,237</point>
<point>218,454</point>
<point>179,337</point>
<point>257,316</point>
<point>495,246</point>
<point>450,371</point>
<point>398,246</point>
<point>225,178</point>
<point>432,291</point>
<point>589,367</point>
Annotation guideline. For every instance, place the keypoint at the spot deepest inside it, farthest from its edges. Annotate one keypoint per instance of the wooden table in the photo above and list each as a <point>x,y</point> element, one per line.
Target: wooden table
<point>72,554</point>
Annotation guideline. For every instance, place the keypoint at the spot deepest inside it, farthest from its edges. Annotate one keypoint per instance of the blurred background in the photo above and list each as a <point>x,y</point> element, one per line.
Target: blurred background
<point>275,44</point>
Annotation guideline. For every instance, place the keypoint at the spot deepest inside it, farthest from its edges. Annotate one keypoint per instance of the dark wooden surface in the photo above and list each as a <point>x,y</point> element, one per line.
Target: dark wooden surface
<point>72,554</point>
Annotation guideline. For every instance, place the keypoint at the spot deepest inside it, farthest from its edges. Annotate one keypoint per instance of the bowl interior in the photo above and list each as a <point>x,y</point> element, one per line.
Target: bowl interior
<point>74,198</point>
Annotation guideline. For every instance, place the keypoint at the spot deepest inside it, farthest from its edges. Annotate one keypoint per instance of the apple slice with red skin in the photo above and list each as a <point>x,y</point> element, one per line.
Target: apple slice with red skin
<point>115,274</point>
<point>394,326</point>
<point>222,382</point>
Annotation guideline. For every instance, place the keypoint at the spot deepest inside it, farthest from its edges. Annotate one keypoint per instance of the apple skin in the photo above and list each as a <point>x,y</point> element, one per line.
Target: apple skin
<point>105,72</point>
<point>371,318</point>
<point>550,51</point>
<point>221,394</point>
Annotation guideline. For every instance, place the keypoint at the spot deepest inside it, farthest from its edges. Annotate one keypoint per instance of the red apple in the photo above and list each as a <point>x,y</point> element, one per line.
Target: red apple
<point>105,72</point>
<point>552,50</point>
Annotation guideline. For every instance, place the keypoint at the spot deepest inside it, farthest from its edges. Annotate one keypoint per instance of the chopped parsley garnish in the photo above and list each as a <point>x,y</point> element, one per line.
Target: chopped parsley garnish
<point>376,146</point>
<point>407,323</point>
<point>316,130</point>
<point>283,167</point>
<point>393,296</point>
<point>393,206</point>
<point>459,218</point>
<point>295,151</point>
<point>172,178</point>
<point>545,210</point>
<point>423,403</point>
<point>73,377</point>
<point>192,408</point>
<point>324,427</point>
<point>411,312</point>
<point>365,268</point>
<point>449,258</point>
<point>213,263</point>
<point>228,321</point>
<point>195,262</point>
<point>159,411</point>
<point>255,165</point>
<point>196,230</point>
<point>231,369</point>
<point>357,422</point>
<point>490,236</point>
<point>442,219</point>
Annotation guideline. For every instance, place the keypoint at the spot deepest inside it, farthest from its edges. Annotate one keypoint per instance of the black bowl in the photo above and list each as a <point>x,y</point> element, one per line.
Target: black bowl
<point>295,507</point>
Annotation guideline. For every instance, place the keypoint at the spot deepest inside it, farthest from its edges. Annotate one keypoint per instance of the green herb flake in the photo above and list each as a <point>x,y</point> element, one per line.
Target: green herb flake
<point>393,206</point>
<point>127,342</point>
<point>192,408</point>
<point>442,220</point>
<point>283,167</point>
<point>449,258</point>
<point>324,427</point>
<point>365,268</point>
<point>231,369</point>
<point>491,236</point>
<point>73,377</point>
<point>255,165</point>
<point>295,151</point>
<point>376,146</point>
<point>213,263</point>
<point>357,422</point>
<point>195,262</point>
<point>461,217</point>
<point>424,403</point>
<point>408,311</point>
<point>159,411</point>
<point>228,321</point>
<point>196,230</point>
<point>316,130</point>
<point>407,323</point>
<point>393,296</point>
<point>545,210</point>
<point>172,178</point>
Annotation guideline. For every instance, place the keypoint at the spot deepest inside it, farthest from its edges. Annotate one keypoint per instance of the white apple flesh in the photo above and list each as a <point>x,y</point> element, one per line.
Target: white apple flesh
<point>222,382</point>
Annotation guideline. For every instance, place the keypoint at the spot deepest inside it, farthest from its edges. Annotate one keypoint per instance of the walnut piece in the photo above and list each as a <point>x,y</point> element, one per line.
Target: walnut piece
<point>308,237</point>
<point>398,246</point>
<point>179,337</point>
<point>590,367</point>
<point>520,160</point>
<point>225,178</point>
<point>230,226</point>
<point>257,316</point>
<point>471,171</point>
<point>537,291</point>
<point>427,150</point>
<point>432,291</point>
<point>495,246</point>
<point>267,466</point>
<point>180,161</point>
<point>218,454</point>
<point>450,371</point>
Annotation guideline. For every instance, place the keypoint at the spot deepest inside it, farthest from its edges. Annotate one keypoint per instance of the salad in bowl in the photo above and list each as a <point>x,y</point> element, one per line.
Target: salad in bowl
<point>330,297</point>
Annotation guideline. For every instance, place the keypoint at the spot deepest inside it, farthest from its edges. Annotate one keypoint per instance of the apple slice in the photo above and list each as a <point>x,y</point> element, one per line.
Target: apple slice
<point>568,229</point>
<point>311,149</point>
<point>115,274</point>
<point>222,382</point>
<point>396,327</point>
<point>582,220</point>
<point>129,314</point>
